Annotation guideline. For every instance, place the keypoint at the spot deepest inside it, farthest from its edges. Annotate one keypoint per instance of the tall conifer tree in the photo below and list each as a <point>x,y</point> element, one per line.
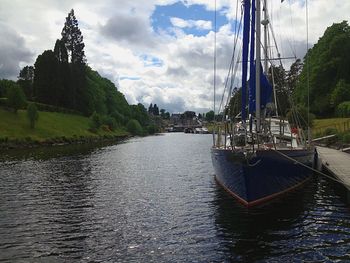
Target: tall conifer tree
<point>73,40</point>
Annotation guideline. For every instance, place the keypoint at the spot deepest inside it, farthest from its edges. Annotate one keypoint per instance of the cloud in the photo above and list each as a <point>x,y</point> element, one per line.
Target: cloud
<point>198,24</point>
<point>172,67</point>
<point>129,29</point>
<point>177,71</point>
<point>13,52</point>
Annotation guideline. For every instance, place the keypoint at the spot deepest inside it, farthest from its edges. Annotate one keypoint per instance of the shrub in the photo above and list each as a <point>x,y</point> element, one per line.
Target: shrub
<point>343,109</point>
<point>32,114</point>
<point>110,122</point>
<point>105,128</point>
<point>16,98</point>
<point>95,121</point>
<point>346,137</point>
<point>134,127</point>
<point>120,118</point>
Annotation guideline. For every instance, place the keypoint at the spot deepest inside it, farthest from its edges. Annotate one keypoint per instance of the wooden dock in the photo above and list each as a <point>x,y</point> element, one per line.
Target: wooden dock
<point>337,163</point>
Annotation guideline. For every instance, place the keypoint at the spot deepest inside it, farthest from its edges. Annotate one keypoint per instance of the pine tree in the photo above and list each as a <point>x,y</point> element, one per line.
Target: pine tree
<point>150,109</point>
<point>26,79</point>
<point>73,39</point>
<point>67,91</point>
<point>155,110</point>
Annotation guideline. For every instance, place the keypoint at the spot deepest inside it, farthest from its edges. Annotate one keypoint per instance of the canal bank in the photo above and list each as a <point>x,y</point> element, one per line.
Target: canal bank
<point>53,128</point>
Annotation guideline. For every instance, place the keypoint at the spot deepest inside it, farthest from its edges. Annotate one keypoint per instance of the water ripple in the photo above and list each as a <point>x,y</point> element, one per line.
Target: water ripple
<point>154,199</point>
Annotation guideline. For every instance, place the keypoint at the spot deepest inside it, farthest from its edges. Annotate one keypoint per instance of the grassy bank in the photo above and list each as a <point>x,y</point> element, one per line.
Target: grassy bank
<point>52,127</point>
<point>320,126</point>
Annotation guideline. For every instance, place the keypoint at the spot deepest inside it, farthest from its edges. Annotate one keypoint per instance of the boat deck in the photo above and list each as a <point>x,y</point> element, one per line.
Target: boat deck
<point>336,162</point>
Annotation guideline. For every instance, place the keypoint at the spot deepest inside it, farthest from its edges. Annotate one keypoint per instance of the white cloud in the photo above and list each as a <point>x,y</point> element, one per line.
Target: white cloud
<point>198,24</point>
<point>120,42</point>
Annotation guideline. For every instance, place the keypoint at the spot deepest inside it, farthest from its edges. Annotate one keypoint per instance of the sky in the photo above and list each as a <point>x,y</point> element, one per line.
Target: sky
<point>156,51</point>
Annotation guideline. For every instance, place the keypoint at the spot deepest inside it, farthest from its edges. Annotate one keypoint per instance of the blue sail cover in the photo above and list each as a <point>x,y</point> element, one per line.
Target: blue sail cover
<point>252,64</point>
<point>265,91</point>
<point>246,28</point>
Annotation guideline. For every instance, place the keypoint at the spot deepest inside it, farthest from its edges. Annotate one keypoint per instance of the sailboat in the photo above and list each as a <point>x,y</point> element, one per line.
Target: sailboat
<point>258,156</point>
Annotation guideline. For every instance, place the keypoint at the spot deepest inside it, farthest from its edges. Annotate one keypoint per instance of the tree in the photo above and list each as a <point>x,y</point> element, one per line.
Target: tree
<point>150,109</point>
<point>16,97</point>
<point>293,76</point>
<point>134,127</point>
<point>47,83</point>
<point>340,93</point>
<point>5,84</point>
<point>73,39</point>
<point>67,90</point>
<point>32,114</point>
<point>325,64</point>
<point>155,110</point>
<point>26,79</point>
<point>209,116</point>
<point>343,109</point>
<point>162,113</point>
<point>282,92</point>
<point>139,113</point>
<point>234,106</point>
<point>95,121</point>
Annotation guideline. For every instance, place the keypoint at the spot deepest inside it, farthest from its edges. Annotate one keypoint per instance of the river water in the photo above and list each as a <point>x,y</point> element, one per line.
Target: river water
<point>154,199</point>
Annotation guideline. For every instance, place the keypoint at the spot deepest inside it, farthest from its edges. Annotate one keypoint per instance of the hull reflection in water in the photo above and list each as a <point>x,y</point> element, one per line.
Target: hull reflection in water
<point>266,175</point>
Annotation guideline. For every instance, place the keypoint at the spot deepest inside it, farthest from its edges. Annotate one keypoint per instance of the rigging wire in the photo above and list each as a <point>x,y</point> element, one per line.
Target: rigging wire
<point>232,71</point>
<point>214,58</point>
<point>214,95</point>
<point>310,168</point>
<point>307,70</point>
<point>292,29</point>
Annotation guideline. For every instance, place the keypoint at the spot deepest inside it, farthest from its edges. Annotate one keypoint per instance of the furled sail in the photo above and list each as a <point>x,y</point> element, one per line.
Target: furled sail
<point>246,30</point>
<point>265,90</point>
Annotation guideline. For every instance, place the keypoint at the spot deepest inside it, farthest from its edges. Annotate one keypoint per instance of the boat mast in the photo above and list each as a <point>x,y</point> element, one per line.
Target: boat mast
<point>265,22</point>
<point>257,64</point>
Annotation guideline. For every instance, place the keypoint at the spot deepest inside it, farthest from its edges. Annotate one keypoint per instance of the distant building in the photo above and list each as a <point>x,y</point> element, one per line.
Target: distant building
<point>188,118</point>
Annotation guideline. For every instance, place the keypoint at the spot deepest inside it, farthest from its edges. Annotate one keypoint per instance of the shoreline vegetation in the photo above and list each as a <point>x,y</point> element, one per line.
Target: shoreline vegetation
<point>53,128</point>
<point>61,100</point>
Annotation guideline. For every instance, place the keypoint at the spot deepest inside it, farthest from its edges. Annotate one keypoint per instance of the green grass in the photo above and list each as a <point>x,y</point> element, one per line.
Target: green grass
<point>50,125</point>
<point>339,124</point>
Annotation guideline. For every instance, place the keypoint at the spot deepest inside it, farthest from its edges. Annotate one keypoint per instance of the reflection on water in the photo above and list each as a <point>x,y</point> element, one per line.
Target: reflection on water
<point>155,199</point>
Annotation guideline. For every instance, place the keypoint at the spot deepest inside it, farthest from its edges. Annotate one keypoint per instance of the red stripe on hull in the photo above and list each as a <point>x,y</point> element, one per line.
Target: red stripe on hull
<point>261,200</point>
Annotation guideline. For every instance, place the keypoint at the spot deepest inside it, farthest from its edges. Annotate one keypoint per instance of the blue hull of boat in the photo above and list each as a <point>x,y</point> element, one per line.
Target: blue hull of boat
<point>265,176</point>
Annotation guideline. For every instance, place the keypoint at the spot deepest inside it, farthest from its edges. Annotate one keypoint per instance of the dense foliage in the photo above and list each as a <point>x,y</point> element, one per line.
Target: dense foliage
<point>134,127</point>
<point>327,65</point>
<point>16,98</point>
<point>343,109</point>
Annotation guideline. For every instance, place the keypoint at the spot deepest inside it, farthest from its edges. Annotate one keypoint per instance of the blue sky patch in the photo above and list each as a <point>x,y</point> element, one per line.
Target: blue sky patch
<point>162,14</point>
<point>151,61</point>
<point>129,78</point>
